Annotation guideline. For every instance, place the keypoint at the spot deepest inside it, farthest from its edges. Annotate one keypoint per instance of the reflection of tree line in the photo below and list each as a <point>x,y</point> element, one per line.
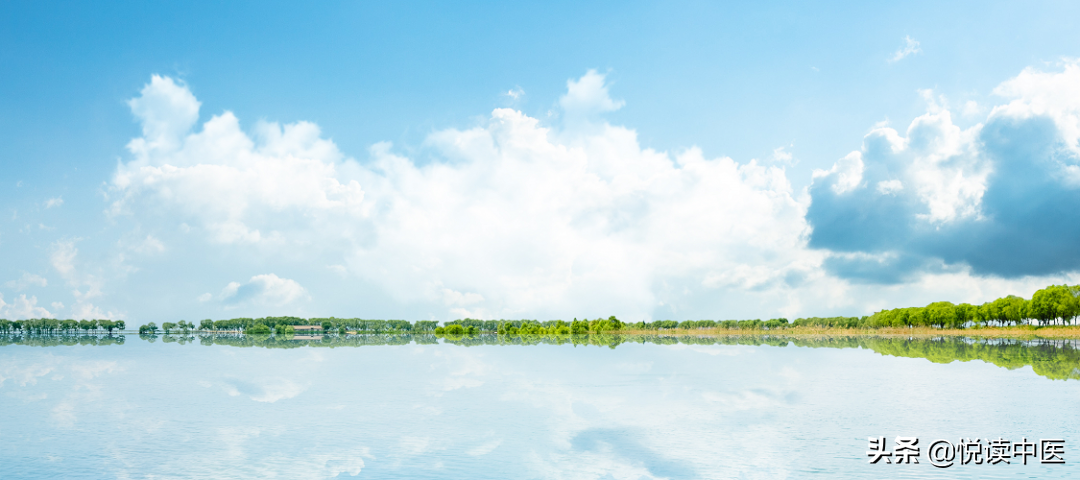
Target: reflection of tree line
<point>288,326</point>
<point>288,341</point>
<point>61,340</point>
<point>1054,359</point>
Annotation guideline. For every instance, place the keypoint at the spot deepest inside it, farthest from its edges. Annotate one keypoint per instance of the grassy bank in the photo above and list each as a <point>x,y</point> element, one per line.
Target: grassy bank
<point>1022,331</point>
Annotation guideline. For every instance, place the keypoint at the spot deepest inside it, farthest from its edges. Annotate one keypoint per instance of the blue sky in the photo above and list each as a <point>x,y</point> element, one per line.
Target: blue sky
<point>650,160</point>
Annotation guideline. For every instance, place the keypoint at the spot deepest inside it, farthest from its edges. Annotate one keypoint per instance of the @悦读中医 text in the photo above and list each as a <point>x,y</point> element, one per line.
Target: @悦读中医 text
<point>967,451</point>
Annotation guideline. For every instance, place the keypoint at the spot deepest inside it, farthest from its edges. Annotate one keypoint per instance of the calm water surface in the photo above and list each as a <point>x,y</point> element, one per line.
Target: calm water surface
<point>169,410</point>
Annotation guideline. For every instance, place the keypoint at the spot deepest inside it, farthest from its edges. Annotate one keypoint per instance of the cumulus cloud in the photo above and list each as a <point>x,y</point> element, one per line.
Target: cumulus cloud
<point>167,110</point>
<point>585,100</point>
<point>242,189</point>
<point>911,47</point>
<point>267,289</point>
<point>22,307</point>
<point>511,217</point>
<point>996,197</point>
<point>54,202</point>
<point>588,94</point>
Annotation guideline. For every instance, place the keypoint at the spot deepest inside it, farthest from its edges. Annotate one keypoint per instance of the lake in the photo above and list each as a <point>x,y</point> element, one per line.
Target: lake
<point>484,407</point>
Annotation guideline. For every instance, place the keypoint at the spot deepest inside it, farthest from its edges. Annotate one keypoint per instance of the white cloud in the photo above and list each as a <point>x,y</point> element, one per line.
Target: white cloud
<point>588,96</point>
<point>848,172</point>
<point>936,158</point>
<point>889,187</point>
<point>149,245</point>
<point>63,258</point>
<point>1055,94</point>
<point>22,307</point>
<point>513,218</point>
<point>971,108</point>
<point>781,156</point>
<point>911,47</point>
<point>26,281</point>
<point>289,174</point>
<point>266,289</point>
<point>86,286</point>
<point>983,200</point>
<point>515,93</point>
<point>54,202</point>
<point>166,110</point>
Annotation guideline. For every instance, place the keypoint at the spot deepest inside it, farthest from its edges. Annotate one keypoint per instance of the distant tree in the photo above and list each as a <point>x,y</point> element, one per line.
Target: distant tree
<point>206,325</point>
<point>108,325</point>
<point>168,327</point>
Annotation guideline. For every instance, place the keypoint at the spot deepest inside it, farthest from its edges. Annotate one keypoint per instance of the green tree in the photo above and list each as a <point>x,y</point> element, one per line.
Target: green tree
<point>965,312</point>
<point>1053,303</point>
<point>1014,309</point>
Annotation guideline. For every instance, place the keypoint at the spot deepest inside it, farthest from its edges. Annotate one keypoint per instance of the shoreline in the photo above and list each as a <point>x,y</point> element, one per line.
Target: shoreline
<point>1022,331</point>
<point>1014,332</point>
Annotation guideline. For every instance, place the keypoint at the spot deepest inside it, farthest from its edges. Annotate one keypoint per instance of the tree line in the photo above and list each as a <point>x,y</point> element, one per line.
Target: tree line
<point>613,324</point>
<point>1053,305</point>
<point>52,326</point>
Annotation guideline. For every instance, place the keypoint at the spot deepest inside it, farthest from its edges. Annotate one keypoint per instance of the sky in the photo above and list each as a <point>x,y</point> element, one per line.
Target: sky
<point>649,160</point>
